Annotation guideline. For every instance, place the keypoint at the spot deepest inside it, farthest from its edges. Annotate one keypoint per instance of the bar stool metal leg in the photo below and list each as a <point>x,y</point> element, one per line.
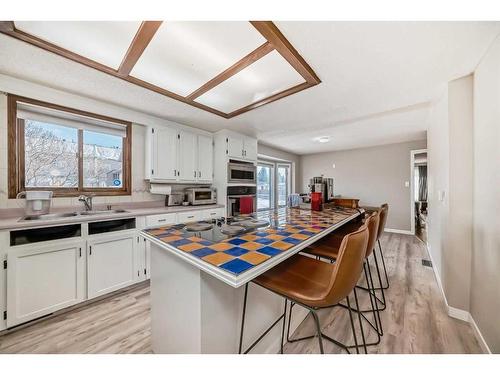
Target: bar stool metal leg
<point>383,264</point>
<point>360,321</point>
<point>318,330</point>
<point>381,288</point>
<point>352,325</point>
<point>243,318</point>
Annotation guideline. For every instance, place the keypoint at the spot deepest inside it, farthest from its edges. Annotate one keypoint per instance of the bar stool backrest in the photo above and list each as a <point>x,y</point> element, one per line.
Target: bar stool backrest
<point>384,210</point>
<point>373,226</point>
<point>348,267</point>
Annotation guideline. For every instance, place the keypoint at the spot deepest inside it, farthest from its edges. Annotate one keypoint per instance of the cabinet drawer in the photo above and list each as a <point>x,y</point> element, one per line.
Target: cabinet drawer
<point>158,220</point>
<point>212,214</point>
<point>184,217</point>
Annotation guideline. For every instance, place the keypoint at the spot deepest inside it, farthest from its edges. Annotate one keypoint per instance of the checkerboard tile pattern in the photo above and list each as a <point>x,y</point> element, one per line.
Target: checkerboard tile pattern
<point>289,228</point>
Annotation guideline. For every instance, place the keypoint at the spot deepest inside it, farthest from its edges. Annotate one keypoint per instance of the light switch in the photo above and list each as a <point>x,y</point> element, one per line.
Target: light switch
<point>333,165</point>
<point>407,183</point>
<point>441,195</point>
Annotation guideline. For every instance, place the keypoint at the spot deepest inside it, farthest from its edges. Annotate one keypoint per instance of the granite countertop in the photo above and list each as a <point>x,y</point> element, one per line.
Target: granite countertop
<point>10,218</point>
<point>253,252</point>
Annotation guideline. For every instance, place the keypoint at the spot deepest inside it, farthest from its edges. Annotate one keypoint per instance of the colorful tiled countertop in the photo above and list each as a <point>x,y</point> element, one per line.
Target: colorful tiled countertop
<point>239,259</point>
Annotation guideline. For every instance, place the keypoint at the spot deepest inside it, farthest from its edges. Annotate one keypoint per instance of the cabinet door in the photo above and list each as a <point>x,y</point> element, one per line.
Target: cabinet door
<point>164,154</point>
<point>185,217</point>
<point>110,263</point>
<point>187,157</point>
<point>205,158</point>
<point>44,278</point>
<point>250,151</point>
<point>235,147</point>
<point>214,213</point>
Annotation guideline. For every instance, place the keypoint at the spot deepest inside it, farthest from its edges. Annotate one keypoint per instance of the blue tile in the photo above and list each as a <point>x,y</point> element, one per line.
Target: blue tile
<point>291,240</point>
<point>283,233</point>
<point>200,253</point>
<point>307,233</point>
<point>236,241</point>
<point>236,251</point>
<point>264,241</point>
<point>261,234</point>
<point>271,251</point>
<point>236,266</point>
<point>179,242</point>
<point>206,243</point>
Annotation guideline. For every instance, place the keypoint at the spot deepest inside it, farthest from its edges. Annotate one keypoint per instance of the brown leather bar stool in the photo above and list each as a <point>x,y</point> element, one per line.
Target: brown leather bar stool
<point>328,249</point>
<point>314,284</point>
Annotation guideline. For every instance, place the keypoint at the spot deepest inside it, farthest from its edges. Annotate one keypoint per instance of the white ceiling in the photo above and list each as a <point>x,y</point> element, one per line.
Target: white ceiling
<point>375,77</point>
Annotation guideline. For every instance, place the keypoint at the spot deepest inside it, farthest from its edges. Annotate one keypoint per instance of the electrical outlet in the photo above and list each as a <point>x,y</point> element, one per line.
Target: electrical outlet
<point>407,183</point>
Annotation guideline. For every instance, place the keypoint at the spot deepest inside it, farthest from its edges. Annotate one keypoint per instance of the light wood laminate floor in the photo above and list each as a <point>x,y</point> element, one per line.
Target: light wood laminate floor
<point>415,320</point>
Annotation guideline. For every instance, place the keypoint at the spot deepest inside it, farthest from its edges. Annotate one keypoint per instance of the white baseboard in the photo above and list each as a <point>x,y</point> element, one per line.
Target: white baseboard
<point>400,231</point>
<point>479,336</point>
<point>458,313</point>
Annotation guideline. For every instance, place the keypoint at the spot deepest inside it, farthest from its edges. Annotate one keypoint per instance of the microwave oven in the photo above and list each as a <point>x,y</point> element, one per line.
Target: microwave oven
<point>245,173</point>
<point>198,196</point>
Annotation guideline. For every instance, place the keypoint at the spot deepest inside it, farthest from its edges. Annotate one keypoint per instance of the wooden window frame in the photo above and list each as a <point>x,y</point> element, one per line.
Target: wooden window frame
<point>16,152</point>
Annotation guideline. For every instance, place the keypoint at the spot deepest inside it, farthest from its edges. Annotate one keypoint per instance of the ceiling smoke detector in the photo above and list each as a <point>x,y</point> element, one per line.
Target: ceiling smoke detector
<point>324,139</point>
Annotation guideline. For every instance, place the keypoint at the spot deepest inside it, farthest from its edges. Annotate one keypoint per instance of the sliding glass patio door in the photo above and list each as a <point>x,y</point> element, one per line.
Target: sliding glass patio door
<point>273,184</point>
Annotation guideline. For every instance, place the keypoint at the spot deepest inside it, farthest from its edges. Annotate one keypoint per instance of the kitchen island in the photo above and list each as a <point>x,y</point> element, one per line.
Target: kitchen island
<point>197,271</point>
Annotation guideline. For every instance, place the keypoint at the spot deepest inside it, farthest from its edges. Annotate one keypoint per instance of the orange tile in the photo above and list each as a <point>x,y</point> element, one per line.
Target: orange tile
<point>299,236</point>
<point>194,239</point>
<point>254,258</point>
<point>217,258</point>
<point>281,245</point>
<point>221,246</point>
<point>249,237</point>
<point>251,245</point>
<point>191,247</point>
<point>171,238</point>
<point>275,237</point>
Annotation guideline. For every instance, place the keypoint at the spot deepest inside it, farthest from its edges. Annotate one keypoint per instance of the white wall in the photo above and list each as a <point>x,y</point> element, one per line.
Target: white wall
<point>375,175</point>
<point>485,280</point>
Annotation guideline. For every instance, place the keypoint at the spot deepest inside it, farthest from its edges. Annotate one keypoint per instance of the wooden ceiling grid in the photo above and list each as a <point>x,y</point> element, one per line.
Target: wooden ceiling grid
<point>276,41</point>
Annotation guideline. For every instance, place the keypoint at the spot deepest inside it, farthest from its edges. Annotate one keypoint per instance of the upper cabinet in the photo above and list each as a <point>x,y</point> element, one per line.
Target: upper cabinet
<point>178,156</point>
<point>241,147</point>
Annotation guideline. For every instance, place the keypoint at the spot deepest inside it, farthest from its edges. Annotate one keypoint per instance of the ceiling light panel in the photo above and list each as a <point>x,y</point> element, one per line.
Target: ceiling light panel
<point>267,76</point>
<point>101,41</point>
<point>183,56</point>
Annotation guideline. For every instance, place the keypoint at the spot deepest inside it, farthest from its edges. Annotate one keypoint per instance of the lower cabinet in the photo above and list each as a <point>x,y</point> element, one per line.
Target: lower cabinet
<point>45,278</point>
<point>112,262</point>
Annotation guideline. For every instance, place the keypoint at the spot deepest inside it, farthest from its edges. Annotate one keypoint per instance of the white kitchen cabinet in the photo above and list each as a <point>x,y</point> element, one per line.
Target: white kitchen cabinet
<point>241,147</point>
<point>185,217</point>
<point>188,153</point>
<point>164,154</point>
<point>235,147</point>
<point>205,159</point>
<point>111,262</point>
<point>43,278</point>
<point>161,219</point>
<point>178,156</point>
<point>212,213</point>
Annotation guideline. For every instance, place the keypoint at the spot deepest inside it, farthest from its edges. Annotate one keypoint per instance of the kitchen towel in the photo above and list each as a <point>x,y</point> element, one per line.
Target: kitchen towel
<point>246,205</point>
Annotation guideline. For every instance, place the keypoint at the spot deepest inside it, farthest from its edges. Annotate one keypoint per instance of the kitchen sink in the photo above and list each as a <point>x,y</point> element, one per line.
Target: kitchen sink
<point>100,212</point>
<point>63,215</point>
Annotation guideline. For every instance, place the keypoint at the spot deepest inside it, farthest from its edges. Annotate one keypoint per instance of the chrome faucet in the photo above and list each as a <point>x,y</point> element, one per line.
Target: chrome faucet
<point>87,201</point>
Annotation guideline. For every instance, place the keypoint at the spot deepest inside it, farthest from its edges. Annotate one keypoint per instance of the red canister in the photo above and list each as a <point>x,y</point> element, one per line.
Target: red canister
<point>316,201</point>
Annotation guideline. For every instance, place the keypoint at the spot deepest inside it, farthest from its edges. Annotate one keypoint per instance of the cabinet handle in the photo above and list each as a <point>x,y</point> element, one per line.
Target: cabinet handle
<point>190,217</point>
<point>199,173</point>
<point>175,172</point>
<point>161,220</point>
<point>194,174</point>
<point>80,252</point>
<point>90,250</point>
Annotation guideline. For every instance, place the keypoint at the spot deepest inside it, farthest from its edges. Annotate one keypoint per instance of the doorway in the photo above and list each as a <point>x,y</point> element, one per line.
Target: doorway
<point>273,184</point>
<point>419,208</point>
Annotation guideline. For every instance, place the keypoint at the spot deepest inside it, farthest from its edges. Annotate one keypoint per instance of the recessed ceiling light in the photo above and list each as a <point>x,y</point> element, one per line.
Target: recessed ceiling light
<point>324,139</point>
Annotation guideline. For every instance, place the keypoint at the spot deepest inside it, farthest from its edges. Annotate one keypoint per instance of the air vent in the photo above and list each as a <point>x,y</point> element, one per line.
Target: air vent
<point>426,263</point>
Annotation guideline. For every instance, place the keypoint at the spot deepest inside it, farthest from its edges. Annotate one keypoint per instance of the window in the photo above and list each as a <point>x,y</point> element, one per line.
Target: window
<point>67,151</point>
<point>273,184</point>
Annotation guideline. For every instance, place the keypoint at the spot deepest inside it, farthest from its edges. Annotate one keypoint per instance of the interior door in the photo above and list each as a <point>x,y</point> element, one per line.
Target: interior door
<point>187,157</point>
<point>235,147</point>
<point>164,154</point>
<point>205,158</point>
<point>110,263</point>
<point>43,278</point>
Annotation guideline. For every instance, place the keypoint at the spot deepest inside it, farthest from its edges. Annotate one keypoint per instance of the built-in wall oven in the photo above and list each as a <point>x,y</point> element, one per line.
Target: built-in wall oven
<point>234,196</point>
<point>241,172</point>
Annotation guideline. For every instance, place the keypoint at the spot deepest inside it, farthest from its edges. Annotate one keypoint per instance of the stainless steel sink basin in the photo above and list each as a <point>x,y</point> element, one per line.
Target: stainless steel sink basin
<point>49,216</point>
<point>100,212</point>
<point>63,215</point>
